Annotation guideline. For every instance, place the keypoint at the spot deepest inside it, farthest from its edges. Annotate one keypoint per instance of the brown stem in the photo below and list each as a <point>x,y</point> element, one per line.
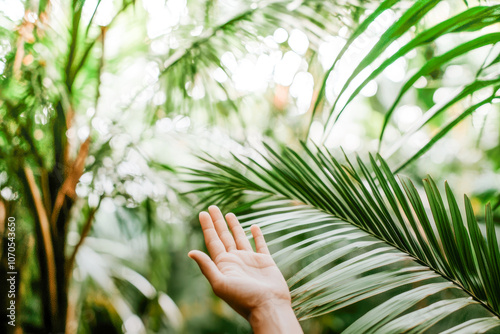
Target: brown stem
<point>44,182</point>
<point>69,185</point>
<point>83,235</point>
<point>47,240</point>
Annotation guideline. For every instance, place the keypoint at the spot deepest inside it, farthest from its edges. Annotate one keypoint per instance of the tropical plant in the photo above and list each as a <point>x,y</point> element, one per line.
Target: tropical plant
<point>70,113</point>
<point>355,233</point>
<point>61,154</point>
<point>367,234</point>
<point>376,60</point>
<point>43,93</point>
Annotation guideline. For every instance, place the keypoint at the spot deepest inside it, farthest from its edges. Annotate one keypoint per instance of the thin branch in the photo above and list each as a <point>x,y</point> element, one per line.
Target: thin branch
<point>44,182</point>
<point>25,31</point>
<point>47,239</point>
<point>83,235</point>
<point>69,185</point>
<point>99,72</point>
<point>77,13</point>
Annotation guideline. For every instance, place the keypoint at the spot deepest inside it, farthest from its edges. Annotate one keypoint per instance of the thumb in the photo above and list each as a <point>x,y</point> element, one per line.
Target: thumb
<point>207,266</point>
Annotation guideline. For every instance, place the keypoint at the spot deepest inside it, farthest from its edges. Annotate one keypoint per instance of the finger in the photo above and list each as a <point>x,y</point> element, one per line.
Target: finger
<point>207,266</point>
<point>221,228</point>
<point>240,237</point>
<point>260,243</point>
<point>214,244</point>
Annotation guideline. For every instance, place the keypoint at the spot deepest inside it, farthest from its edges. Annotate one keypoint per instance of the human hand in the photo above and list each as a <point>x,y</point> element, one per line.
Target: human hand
<point>250,282</point>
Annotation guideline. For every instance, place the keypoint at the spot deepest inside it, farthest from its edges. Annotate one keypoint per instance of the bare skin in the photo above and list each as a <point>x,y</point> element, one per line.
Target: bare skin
<point>250,282</point>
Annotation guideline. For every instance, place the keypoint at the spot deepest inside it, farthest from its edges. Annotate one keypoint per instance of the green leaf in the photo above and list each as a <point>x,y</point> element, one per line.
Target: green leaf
<point>359,30</point>
<point>437,62</point>
<point>447,128</point>
<point>472,19</point>
<point>478,325</point>
<point>391,308</point>
<point>419,321</point>
<point>396,30</point>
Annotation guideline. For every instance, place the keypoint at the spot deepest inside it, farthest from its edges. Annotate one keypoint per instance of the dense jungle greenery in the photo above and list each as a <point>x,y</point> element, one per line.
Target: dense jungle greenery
<point>122,119</point>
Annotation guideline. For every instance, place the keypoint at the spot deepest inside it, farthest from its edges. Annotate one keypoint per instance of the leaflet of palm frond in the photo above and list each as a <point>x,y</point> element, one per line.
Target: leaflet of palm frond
<point>472,19</point>
<point>407,20</point>
<point>448,127</point>
<point>356,33</point>
<point>437,62</point>
<point>459,94</point>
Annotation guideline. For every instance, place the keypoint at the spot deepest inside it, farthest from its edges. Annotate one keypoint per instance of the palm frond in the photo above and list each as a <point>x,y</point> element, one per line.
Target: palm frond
<point>439,109</point>
<point>191,66</point>
<point>467,22</point>
<point>435,63</point>
<point>396,30</point>
<point>352,233</point>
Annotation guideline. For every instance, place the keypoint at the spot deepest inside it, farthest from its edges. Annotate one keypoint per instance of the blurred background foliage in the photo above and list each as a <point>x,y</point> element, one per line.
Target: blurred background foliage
<point>104,102</point>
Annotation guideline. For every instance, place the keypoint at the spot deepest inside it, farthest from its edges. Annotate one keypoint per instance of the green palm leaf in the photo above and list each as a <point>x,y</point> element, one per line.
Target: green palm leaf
<point>439,109</point>
<point>352,233</point>
<point>435,63</point>
<point>362,27</point>
<point>396,30</point>
<point>470,20</point>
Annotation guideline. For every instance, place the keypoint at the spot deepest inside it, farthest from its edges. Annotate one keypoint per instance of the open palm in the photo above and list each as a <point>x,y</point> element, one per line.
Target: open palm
<point>245,279</point>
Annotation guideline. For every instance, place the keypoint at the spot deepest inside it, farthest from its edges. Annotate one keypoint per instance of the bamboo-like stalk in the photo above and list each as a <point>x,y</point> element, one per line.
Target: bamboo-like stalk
<point>69,185</point>
<point>47,239</point>
<point>45,186</point>
<point>83,235</point>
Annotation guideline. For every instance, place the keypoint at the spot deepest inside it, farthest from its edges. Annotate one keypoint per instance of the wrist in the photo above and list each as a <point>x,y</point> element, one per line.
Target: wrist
<point>274,316</point>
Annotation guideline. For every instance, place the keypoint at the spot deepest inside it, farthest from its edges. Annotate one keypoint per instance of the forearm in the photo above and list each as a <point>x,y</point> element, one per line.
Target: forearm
<point>274,318</point>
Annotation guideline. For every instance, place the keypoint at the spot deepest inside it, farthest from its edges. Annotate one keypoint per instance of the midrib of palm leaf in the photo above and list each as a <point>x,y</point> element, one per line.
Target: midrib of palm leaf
<point>400,221</point>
